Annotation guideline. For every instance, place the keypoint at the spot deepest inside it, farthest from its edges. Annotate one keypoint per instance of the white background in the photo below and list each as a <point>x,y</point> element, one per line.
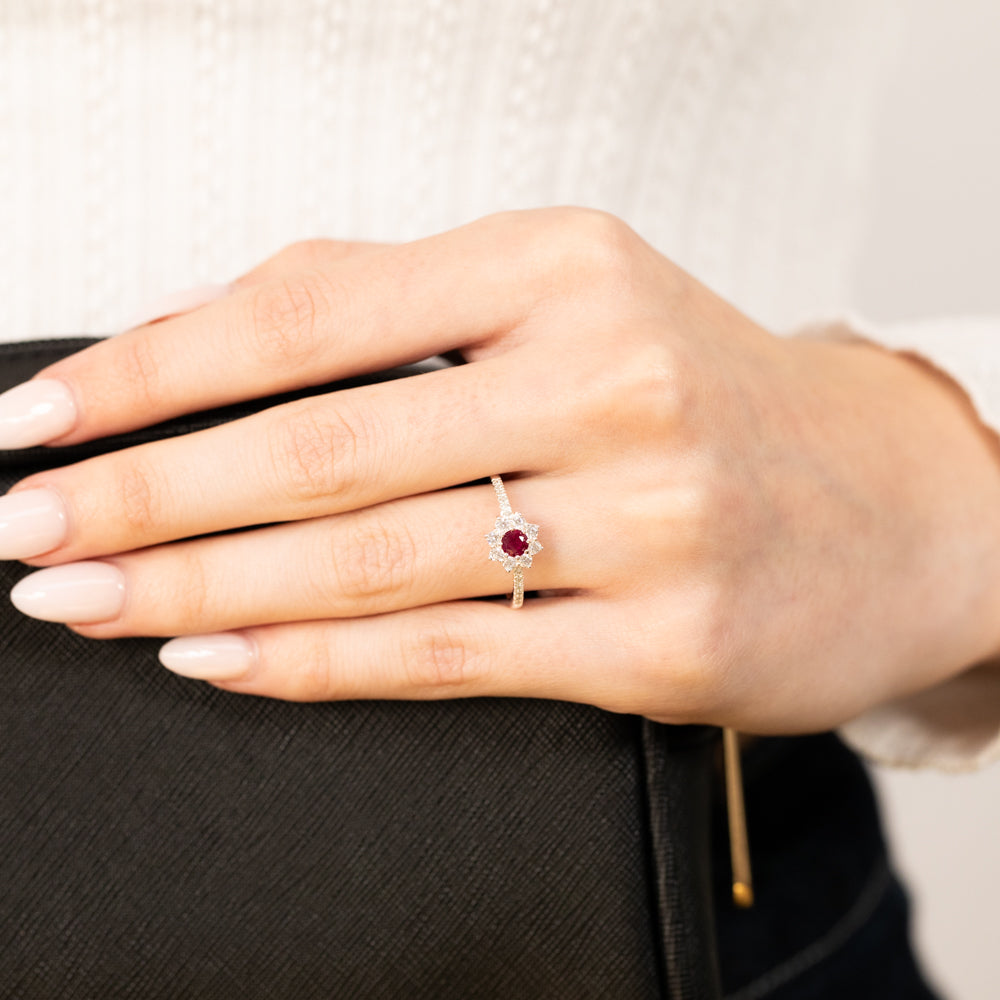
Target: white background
<point>934,249</point>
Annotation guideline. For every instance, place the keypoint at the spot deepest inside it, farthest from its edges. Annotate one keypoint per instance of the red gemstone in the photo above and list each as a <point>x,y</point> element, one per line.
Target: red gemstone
<point>514,542</point>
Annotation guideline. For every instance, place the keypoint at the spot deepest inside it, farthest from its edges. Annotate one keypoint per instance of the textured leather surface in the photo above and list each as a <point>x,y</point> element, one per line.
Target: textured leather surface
<point>679,777</point>
<point>160,838</point>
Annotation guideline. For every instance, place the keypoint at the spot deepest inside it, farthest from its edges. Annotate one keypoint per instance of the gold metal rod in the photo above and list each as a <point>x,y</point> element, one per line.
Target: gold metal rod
<point>739,846</point>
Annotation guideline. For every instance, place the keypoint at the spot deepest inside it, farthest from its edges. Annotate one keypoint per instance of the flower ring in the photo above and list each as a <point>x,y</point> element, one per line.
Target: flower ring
<point>513,541</point>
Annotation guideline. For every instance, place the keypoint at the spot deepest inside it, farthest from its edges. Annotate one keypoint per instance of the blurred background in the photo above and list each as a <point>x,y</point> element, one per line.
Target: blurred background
<point>933,248</point>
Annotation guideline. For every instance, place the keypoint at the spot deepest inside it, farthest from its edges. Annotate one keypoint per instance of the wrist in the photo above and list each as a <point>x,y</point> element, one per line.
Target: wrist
<point>938,467</point>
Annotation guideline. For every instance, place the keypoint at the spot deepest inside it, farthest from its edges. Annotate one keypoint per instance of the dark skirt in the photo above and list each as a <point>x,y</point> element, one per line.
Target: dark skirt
<point>831,920</point>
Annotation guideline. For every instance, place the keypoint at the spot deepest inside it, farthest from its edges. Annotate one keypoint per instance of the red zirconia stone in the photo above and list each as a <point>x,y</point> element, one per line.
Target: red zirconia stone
<point>514,542</point>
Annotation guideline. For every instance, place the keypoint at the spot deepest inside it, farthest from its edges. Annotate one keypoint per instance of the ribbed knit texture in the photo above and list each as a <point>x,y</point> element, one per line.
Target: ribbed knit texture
<point>147,146</point>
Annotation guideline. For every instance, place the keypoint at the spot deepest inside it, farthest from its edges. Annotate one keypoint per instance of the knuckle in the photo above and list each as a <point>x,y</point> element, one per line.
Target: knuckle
<point>304,255</point>
<point>564,244</point>
<point>656,380</point>
<point>721,516</point>
<point>138,370</point>
<point>592,226</point>
<point>141,498</point>
<point>638,389</point>
<point>167,593</point>
<point>314,677</point>
<point>377,561</point>
<point>697,516</point>
<point>712,648</point>
<point>315,455</point>
<point>700,515</point>
<point>587,258</point>
<point>437,659</point>
<point>690,675</point>
<point>188,603</point>
<point>595,242</point>
<point>287,316</point>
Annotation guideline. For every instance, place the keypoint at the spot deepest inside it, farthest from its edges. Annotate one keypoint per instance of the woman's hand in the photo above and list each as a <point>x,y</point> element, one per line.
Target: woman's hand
<point>773,534</point>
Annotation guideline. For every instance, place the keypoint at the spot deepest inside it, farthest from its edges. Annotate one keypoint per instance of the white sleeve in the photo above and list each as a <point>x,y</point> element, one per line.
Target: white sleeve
<point>956,725</point>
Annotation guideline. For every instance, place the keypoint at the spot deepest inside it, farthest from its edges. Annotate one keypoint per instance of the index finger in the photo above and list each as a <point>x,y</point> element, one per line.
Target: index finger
<point>365,312</point>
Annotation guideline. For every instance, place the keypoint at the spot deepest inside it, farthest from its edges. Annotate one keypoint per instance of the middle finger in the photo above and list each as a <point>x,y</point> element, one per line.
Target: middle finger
<point>328,454</point>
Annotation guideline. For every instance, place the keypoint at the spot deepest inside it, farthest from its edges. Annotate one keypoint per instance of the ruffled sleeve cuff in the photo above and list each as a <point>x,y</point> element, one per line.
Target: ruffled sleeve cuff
<point>956,725</point>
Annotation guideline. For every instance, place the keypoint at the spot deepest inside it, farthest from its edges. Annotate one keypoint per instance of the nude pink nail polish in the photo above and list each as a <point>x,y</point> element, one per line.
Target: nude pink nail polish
<point>224,656</point>
<point>31,522</point>
<point>35,412</point>
<point>77,594</point>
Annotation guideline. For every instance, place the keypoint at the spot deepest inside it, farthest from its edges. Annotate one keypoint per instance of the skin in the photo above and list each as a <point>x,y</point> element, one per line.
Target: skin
<point>768,533</point>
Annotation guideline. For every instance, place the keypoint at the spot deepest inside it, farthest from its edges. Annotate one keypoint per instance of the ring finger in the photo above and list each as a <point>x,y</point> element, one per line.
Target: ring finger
<point>407,553</point>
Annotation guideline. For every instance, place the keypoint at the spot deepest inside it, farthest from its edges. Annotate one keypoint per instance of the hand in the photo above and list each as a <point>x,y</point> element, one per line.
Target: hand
<point>773,534</point>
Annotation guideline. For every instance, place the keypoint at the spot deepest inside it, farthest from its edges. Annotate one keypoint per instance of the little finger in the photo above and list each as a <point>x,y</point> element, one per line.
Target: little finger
<point>550,648</point>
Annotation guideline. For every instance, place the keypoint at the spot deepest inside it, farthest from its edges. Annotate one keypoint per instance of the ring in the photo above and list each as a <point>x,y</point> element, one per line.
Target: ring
<point>513,541</point>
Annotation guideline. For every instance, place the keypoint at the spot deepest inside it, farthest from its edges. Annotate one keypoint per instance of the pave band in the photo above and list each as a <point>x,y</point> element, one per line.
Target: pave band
<point>513,541</point>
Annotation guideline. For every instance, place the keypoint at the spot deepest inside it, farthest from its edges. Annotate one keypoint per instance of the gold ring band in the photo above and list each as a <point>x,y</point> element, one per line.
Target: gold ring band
<point>513,541</point>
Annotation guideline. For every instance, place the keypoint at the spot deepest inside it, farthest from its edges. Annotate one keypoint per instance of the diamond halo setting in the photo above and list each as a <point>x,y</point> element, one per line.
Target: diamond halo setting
<point>513,541</point>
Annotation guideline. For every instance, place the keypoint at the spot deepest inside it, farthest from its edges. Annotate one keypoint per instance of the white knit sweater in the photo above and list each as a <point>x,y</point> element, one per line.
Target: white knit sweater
<point>147,146</point>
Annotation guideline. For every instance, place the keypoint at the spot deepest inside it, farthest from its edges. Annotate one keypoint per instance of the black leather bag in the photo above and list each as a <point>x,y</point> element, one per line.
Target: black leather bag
<point>161,838</point>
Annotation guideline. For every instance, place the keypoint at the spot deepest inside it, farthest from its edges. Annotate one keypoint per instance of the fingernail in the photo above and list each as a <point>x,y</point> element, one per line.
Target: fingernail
<point>77,594</point>
<point>224,656</point>
<point>31,522</point>
<point>35,412</point>
<point>176,302</point>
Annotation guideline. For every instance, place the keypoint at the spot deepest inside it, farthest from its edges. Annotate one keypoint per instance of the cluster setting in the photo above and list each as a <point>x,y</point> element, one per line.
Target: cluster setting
<point>513,541</point>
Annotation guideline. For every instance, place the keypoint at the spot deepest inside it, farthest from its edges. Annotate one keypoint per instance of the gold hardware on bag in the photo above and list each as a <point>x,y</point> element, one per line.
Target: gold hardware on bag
<point>739,845</point>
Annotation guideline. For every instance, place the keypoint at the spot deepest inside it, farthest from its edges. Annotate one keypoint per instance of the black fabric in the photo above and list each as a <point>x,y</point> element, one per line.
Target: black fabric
<point>831,919</point>
<point>161,838</point>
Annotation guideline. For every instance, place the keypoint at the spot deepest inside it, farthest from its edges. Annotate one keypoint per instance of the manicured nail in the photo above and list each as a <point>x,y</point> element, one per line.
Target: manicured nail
<point>224,656</point>
<point>35,412</point>
<point>31,522</point>
<point>176,302</point>
<point>77,594</point>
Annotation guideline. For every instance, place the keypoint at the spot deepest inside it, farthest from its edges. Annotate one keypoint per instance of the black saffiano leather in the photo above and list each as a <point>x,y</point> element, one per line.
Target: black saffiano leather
<point>161,838</point>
